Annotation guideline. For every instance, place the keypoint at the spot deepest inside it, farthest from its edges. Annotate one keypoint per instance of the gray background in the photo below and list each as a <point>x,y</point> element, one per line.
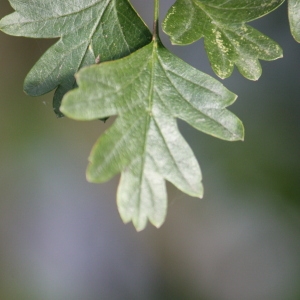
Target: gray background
<point>62,238</point>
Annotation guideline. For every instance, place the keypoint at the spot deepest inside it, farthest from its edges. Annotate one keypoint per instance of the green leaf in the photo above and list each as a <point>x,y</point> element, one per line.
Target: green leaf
<point>228,40</point>
<point>294,18</point>
<point>148,90</point>
<point>109,28</point>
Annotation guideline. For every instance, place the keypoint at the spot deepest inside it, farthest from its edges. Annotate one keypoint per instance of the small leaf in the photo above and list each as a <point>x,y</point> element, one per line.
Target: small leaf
<point>294,18</point>
<point>228,40</point>
<point>148,90</point>
<point>110,28</point>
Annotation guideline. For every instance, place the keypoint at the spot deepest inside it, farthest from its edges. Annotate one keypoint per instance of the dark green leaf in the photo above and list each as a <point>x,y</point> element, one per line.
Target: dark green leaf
<point>109,28</point>
<point>228,40</point>
<point>148,90</point>
<point>294,18</point>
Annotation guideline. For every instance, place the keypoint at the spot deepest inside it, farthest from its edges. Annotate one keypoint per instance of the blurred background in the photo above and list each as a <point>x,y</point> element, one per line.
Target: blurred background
<point>62,238</point>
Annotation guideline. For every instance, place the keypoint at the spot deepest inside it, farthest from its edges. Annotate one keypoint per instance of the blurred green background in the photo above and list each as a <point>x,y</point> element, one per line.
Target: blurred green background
<point>62,238</point>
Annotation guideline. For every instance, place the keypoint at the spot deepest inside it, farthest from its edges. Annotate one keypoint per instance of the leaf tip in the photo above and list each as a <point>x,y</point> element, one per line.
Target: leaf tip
<point>242,138</point>
<point>242,133</point>
<point>63,110</point>
<point>221,74</point>
<point>3,24</point>
<point>27,90</point>
<point>201,192</point>
<point>138,224</point>
<point>58,113</point>
<point>90,177</point>
<point>139,229</point>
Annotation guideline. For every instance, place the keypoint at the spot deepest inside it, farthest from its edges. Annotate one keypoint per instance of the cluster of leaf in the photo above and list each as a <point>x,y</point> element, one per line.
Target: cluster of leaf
<point>144,84</point>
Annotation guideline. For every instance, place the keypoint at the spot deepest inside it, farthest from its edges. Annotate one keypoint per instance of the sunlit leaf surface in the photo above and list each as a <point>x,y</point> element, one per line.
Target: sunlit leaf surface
<point>148,90</point>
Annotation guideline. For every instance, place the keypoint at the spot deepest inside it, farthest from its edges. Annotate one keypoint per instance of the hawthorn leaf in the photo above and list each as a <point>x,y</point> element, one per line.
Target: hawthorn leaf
<point>227,39</point>
<point>87,29</point>
<point>294,18</point>
<point>148,90</point>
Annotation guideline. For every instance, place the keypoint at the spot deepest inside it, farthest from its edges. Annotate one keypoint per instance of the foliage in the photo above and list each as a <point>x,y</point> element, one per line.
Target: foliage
<point>294,17</point>
<point>88,28</point>
<point>144,84</point>
<point>148,89</point>
<point>228,40</point>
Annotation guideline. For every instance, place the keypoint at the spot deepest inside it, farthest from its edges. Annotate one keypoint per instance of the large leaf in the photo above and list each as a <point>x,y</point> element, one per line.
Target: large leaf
<point>294,18</point>
<point>148,90</point>
<point>228,40</point>
<point>109,28</point>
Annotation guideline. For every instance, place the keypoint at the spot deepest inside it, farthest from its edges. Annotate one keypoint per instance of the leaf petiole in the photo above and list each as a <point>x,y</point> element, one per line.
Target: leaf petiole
<point>155,21</point>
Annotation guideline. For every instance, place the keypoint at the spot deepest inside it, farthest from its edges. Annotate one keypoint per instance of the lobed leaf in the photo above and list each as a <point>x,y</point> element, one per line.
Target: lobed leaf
<point>109,28</point>
<point>148,90</point>
<point>228,40</point>
<point>294,18</point>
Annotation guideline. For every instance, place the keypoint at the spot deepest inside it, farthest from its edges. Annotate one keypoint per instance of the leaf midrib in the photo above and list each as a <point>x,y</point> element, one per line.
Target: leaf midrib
<point>152,60</point>
<point>87,41</point>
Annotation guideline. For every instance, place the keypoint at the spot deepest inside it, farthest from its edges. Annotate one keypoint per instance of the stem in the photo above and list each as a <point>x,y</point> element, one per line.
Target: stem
<point>155,21</point>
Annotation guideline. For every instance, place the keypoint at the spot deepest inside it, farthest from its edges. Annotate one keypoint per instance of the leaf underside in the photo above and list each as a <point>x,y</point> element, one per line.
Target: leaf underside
<point>294,18</point>
<point>148,90</point>
<point>109,28</point>
<point>228,40</point>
